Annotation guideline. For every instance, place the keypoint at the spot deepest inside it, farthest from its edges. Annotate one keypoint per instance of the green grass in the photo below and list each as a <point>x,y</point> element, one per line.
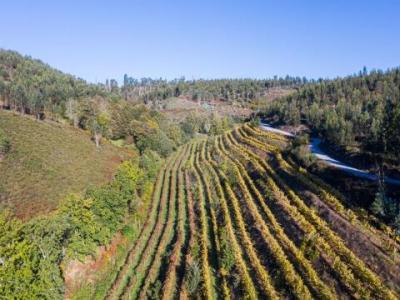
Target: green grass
<point>47,161</point>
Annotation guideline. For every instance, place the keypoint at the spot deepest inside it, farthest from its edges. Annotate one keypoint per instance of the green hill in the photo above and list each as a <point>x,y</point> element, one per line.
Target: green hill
<point>47,161</point>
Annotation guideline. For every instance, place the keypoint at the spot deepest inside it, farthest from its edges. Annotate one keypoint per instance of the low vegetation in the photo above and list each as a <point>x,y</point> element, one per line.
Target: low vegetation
<point>42,162</point>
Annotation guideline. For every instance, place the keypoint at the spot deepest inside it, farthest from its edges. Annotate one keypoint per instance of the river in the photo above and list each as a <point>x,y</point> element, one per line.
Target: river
<point>329,160</point>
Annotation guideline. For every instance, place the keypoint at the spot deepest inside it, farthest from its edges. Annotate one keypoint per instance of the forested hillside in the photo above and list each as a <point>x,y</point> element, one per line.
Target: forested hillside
<point>31,87</point>
<point>230,90</point>
<point>361,110</point>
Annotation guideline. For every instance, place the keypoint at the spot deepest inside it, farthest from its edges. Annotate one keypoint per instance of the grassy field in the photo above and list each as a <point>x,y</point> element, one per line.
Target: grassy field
<point>47,161</point>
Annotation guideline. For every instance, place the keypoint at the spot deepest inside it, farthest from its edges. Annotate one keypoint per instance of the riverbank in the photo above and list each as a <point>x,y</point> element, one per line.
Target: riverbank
<point>317,150</point>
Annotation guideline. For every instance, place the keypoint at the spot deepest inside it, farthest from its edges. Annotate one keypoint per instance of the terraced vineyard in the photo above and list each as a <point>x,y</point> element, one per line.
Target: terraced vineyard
<point>231,218</point>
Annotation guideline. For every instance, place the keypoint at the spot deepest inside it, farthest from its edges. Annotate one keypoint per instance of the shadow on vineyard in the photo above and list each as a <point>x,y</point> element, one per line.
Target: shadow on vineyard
<point>289,233</point>
<point>199,150</point>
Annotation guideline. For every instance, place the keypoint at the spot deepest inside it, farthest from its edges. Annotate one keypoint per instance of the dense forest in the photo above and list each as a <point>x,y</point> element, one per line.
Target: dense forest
<point>362,110</point>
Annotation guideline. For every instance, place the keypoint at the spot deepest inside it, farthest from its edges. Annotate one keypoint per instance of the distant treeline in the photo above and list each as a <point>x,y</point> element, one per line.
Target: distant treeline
<point>360,110</point>
<point>241,90</point>
<point>32,87</point>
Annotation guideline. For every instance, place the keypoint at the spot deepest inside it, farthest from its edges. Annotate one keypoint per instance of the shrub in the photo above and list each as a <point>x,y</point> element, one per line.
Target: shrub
<point>228,256</point>
<point>5,144</point>
<point>128,231</point>
<point>157,141</point>
<point>300,150</point>
<point>150,162</point>
<point>193,278</point>
<point>255,122</point>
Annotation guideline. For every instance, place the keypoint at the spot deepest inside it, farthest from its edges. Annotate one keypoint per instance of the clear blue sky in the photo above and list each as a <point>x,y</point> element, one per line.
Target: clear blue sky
<point>209,39</point>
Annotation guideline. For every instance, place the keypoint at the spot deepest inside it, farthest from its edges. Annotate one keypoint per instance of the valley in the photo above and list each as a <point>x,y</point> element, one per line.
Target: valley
<point>199,150</point>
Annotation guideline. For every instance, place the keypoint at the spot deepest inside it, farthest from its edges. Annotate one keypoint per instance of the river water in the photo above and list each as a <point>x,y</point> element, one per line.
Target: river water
<point>321,155</point>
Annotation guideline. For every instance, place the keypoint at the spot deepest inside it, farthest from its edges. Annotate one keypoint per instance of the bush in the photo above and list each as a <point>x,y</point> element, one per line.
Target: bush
<point>5,144</point>
<point>387,208</point>
<point>128,231</point>
<point>300,150</point>
<point>157,141</point>
<point>193,278</point>
<point>255,122</point>
<point>150,162</point>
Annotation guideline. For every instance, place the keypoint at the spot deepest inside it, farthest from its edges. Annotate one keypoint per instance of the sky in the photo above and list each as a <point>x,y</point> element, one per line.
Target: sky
<point>96,40</point>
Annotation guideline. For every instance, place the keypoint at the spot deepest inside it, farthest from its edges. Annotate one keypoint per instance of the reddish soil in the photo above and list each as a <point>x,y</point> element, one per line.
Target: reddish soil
<point>77,273</point>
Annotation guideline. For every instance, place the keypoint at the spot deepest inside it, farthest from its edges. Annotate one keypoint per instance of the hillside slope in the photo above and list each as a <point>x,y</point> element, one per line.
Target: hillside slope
<point>47,161</point>
<point>232,218</point>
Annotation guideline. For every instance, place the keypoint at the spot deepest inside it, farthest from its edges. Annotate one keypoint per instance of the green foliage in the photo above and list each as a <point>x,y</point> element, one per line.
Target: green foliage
<point>84,230</point>
<point>377,207</point>
<point>5,144</point>
<point>301,152</point>
<point>238,90</point>
<point>292,114</point>
<point>228,256</point>
<point>219,125</point>
<point>150,161</point>
<point>32,87</point>
<point>157,141</point>
<point>300,140</point>
<point>129,231</point>
<point>386,207</point>
<point>191,125</point>
<point>31,253</point>
<point>309,247</point>
<point>255,122</point>
<point>193,278</point>
<point>357,110</point>
<point>127,178</point>
<point>145,128</point>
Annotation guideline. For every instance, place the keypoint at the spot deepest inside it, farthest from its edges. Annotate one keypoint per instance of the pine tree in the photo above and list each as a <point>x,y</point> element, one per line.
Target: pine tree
<point>378,206</point>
